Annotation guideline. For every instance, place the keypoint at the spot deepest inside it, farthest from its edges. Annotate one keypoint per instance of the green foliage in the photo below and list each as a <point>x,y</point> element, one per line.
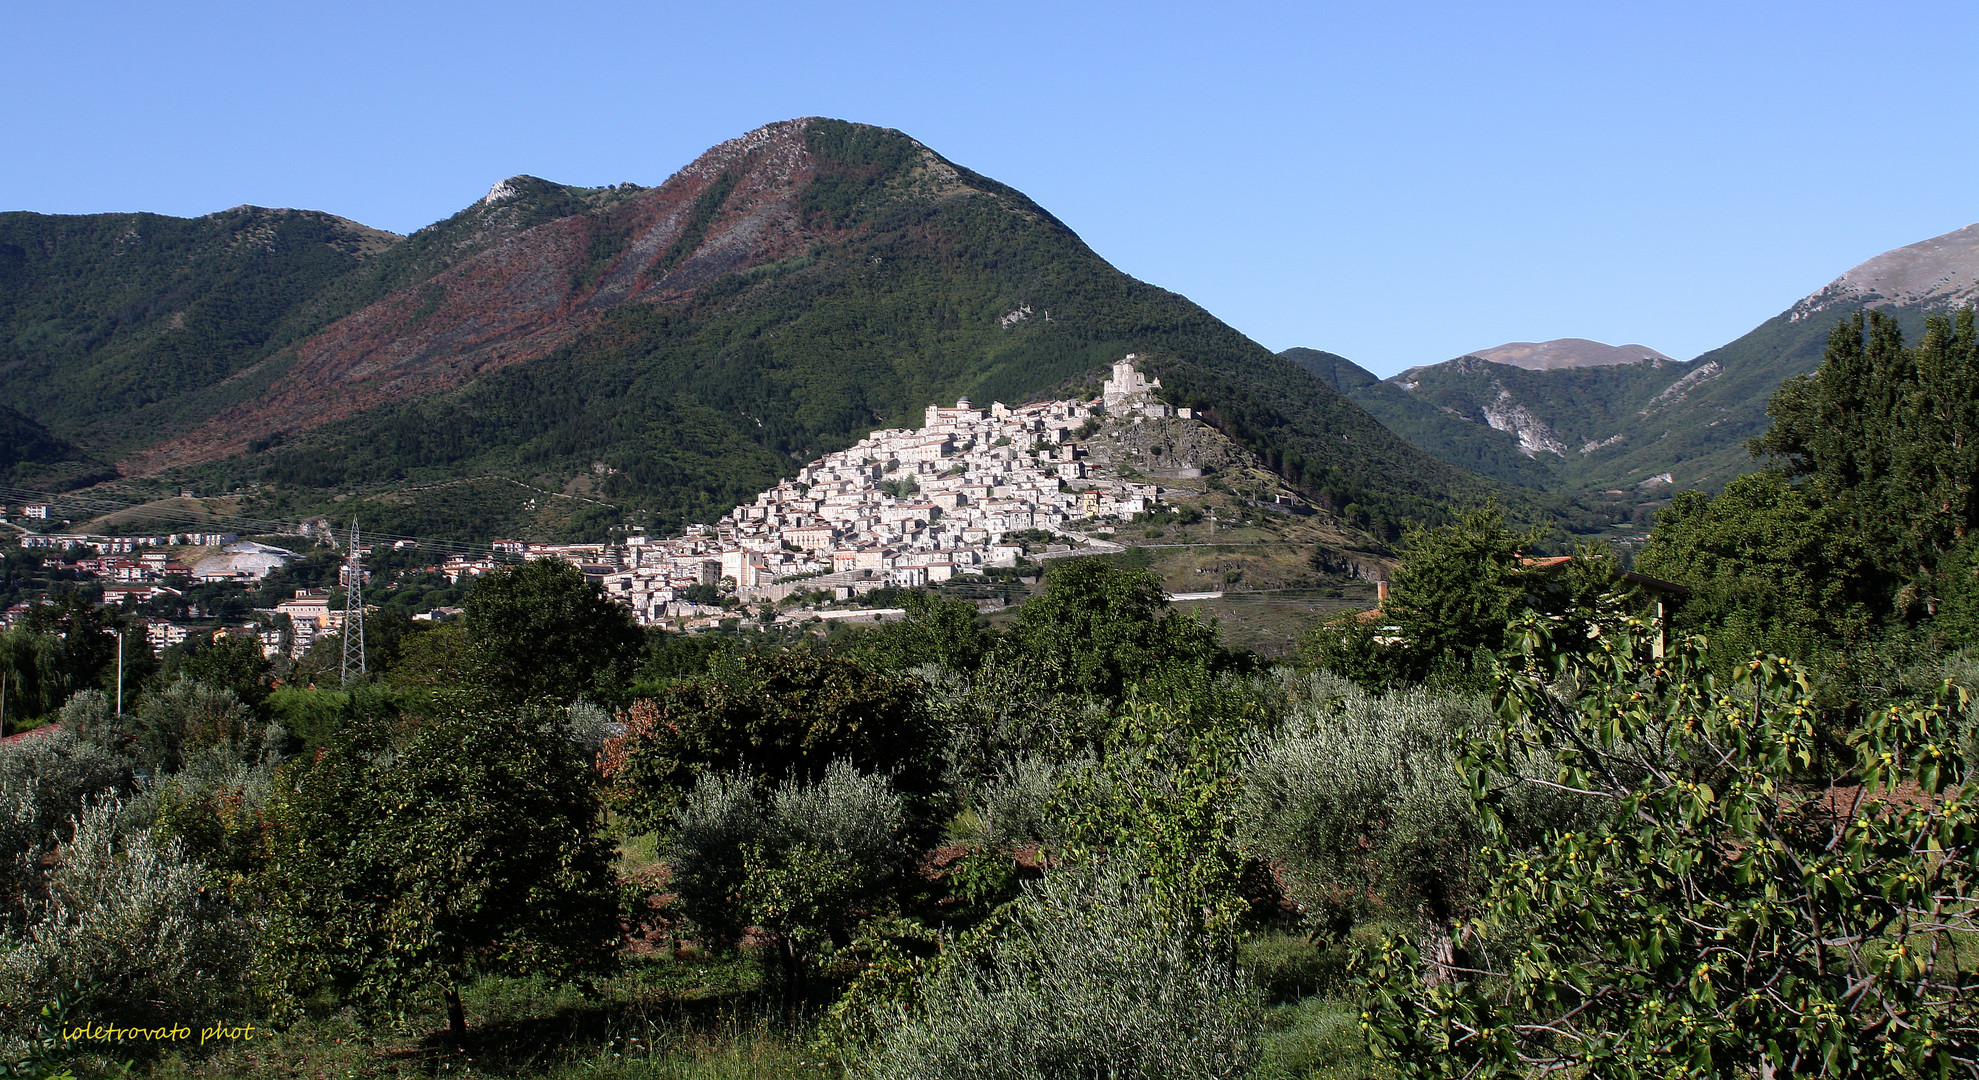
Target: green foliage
<point>1861,532</point>
<point>125,325</point>
<point>436,658</point>
<point>783,715</point>
<point>1358,800</point>
<point>44,783</point>
<point>1769,565</point>
<point>855,165</point>
<point>543,633</point>
<point>408,859</point>
<point>217,816</point>
<point>804,867</point>
<point>32,682</point>
<point>1086,979</point>
<point>1957,619</point>
<point>1457,589</point>
<point>1160,794</point>
<point>235,663</point>
<point>309,715</point>
<point>25,444</point>
<point>998,714</point>
<point>125,919</point>
<point>1889,438</point>
<point>935,630</point>
<point>58,648</point>
<point>1098,628</point>
<point>1730,910</point>
<point>192,726</point>
<point>708,841</point>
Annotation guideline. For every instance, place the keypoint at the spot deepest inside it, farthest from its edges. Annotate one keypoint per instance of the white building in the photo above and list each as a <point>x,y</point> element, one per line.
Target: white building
<point>1126,384</point>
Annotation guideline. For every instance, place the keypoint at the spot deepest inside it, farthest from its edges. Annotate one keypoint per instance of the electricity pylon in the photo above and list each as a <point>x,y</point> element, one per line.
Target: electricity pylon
<point>353,629</point>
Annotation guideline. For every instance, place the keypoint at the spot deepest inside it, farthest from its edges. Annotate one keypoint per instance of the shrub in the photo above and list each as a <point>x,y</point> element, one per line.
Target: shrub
<point>716,824</point>
<point>806,868</point>
<point>1015,808</point>
<point>998,713</point>
<point>1084,983</point>
<point>42,783</point>
<point>782,714</point>
<point>1358,798</point>
<point>590,726</point>
<point>126,921</point>
<point>192,726</point>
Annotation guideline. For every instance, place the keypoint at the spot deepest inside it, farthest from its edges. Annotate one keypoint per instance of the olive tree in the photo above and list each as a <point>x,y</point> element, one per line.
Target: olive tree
<point>124,917</point>
<point>1085,978</point>
<point>805,864</point>
<point>1358,800</point>
<point>44,782</point>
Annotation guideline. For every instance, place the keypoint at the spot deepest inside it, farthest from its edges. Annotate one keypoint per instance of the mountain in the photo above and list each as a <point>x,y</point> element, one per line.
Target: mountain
<point>1454,437</point>
<point>560,359</point>
<point>1568,429</point>
<point>1579,418</point>
<point>1570,352</point>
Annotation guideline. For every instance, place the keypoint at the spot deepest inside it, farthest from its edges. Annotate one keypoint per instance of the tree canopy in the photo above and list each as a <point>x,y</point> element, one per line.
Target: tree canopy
<point>409,857</point>
<point>544,633</point>
<point>1728,909</point>
<point>1099,627</point>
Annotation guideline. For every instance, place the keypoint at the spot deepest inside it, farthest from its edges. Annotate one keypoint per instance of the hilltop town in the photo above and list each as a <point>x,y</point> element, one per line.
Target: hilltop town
<point>901,508</point>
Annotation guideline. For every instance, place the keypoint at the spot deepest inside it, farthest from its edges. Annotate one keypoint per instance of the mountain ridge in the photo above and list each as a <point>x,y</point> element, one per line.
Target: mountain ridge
<point>1640,430</point>
<point>668,350</point>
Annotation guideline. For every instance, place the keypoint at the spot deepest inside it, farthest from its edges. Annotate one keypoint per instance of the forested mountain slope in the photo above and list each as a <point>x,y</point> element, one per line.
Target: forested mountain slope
<point>1568,418</point>
<point>1462,440</point>
<point>662,351</point>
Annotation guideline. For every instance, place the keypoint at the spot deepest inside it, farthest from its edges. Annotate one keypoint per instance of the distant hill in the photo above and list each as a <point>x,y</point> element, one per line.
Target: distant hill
<point>1454,437</point>
<point>555,359</point>
<point>1627,422</point>
<point>1566,353</point>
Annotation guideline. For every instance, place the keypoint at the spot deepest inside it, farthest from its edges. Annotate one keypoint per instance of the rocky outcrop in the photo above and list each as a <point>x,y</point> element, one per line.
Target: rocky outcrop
<point>1535,435</point>
<point>1940,272</point>
<point>1676,391</point>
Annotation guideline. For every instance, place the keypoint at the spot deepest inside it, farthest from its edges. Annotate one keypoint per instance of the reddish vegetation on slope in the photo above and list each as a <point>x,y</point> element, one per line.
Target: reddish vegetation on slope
<point>522,298</point>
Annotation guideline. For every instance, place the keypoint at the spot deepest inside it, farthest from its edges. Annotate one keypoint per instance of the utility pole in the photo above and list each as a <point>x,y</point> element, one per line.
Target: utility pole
<point>353,628</point>
<point>120,671</point>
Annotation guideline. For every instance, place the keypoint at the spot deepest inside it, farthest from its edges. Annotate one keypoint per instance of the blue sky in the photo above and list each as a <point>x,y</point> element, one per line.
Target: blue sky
<point>1399,183</point>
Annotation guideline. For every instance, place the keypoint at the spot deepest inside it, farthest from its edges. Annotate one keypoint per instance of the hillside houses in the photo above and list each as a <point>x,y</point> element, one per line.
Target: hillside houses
<point>903,507</point>
<point>900,507</point>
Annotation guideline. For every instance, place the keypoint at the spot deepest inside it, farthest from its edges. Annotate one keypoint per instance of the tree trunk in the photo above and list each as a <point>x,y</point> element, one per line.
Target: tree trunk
<point>792,974</point>
<point>1439,941</point>
<point>1439,954</point>
<point>456,1019</point>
